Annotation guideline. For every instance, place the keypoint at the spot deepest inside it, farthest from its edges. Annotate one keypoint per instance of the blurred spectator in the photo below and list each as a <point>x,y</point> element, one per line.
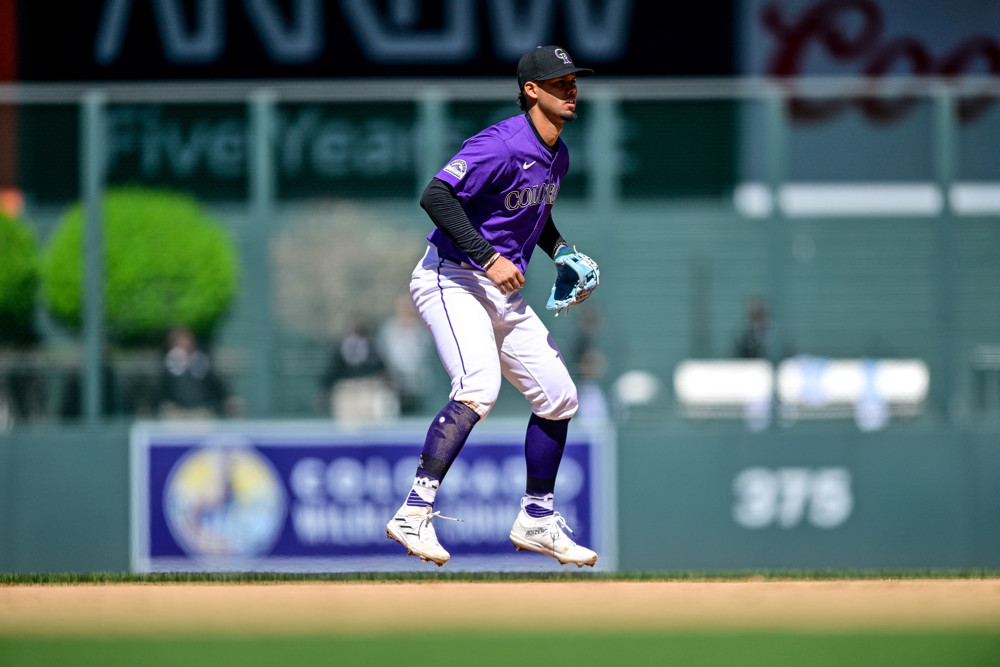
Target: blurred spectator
<point>357,380</point>
<point>405,345</point>
<point>189,387</point>
<point>589,365</point>
<point>22,393</point>
<point>754,341</point>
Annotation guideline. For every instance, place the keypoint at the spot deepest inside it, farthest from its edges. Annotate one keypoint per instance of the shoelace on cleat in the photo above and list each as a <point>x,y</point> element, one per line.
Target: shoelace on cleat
<point>438,514</point>
<point>426,521</point>
<point>559,523</point>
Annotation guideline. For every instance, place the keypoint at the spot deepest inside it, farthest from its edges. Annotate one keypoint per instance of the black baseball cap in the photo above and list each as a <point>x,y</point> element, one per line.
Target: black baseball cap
<point>547,62</point>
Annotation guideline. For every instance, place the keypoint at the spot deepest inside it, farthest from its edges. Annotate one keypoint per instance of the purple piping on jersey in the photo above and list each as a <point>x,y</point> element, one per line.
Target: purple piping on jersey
<point>447,315</point>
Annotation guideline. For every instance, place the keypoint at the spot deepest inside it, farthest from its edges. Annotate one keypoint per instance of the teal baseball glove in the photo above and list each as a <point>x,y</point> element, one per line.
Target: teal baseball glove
<point>576,278</point>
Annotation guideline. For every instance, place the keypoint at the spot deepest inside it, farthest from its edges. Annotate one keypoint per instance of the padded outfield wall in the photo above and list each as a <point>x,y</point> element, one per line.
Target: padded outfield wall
<point>688,498</point>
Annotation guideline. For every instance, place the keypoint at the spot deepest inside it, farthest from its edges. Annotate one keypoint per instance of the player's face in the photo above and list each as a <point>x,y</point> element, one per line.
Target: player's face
<point>557,97</point>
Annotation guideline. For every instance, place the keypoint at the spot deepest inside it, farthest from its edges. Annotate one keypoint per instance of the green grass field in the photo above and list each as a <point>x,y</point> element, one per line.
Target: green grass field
<point>439,646</point>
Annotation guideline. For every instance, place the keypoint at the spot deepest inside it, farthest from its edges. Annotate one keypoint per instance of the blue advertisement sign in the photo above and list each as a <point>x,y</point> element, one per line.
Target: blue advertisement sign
<point>309,497</point>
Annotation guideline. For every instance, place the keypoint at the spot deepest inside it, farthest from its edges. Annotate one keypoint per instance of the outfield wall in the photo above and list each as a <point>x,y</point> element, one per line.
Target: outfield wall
<point>817,497</point>
<point>689,498</point>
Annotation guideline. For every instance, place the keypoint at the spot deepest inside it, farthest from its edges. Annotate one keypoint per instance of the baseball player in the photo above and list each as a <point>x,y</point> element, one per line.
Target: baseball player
<point>491,205</point>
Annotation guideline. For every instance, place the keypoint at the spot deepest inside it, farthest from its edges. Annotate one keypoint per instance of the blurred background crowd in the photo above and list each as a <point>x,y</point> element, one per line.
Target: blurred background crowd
<point>209,209</point>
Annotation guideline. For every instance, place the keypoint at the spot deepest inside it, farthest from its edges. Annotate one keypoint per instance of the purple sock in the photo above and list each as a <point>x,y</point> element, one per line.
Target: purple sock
<point>445,437</point>
<point>543,450</point>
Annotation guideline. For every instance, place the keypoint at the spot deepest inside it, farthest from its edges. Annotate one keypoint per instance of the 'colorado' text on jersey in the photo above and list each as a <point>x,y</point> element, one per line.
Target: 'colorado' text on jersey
<point>506,177</point>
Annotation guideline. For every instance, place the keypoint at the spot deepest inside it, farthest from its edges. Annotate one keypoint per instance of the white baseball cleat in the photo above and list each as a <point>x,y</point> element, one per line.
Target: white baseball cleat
<point>547,535</point>
<point>412,528</point>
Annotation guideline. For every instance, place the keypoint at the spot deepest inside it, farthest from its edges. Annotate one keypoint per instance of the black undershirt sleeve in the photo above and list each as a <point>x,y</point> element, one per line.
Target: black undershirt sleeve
<point>444,209</point>
<point>442,205</point>
<point>550,238</point>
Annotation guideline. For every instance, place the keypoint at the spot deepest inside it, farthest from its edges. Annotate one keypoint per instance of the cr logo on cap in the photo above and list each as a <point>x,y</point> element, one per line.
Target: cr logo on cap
<point>562,55</point>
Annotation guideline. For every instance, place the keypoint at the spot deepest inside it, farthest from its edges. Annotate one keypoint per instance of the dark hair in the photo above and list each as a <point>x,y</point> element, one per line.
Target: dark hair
<point>522,100</point>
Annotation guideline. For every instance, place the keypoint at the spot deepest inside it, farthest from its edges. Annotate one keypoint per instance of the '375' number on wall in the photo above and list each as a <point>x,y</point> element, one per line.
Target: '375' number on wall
<point>787,497</point>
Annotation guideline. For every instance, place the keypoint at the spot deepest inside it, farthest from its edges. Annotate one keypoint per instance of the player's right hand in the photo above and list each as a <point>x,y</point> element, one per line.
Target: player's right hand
<point>505,275</point>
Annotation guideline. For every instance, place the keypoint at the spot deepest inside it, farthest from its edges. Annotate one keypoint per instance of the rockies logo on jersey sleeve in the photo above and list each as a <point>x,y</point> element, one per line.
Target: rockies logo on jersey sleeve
<point>457,168</point>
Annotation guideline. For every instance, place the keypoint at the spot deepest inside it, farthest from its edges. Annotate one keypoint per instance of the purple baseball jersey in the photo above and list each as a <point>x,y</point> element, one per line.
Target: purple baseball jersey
<point>506,179</point>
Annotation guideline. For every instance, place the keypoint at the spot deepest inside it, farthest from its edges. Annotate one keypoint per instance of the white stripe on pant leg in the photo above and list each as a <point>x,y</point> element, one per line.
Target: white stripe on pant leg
<point>456,309</point>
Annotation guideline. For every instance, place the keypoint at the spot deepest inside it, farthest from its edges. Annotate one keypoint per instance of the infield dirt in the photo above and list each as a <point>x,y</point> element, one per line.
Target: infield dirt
<point>375,608</point>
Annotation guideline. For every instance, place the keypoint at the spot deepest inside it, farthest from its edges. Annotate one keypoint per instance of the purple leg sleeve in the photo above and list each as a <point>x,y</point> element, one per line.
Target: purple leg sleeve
<point>543,450</point>
<point>445,437</point>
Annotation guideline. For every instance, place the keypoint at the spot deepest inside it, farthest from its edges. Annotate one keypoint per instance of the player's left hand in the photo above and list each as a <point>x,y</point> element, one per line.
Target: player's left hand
<point>577,276</point>
<point>505,275</point>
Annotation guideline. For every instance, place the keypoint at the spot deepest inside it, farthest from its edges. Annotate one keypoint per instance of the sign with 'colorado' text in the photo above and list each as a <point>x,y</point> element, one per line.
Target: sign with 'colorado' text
<point>310,497</point>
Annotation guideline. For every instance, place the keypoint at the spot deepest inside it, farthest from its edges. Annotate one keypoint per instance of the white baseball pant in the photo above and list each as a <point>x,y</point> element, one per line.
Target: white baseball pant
<point>482,335</point>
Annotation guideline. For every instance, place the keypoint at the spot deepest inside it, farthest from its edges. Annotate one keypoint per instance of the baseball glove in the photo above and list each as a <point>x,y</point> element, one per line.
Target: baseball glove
<point>576,278</point>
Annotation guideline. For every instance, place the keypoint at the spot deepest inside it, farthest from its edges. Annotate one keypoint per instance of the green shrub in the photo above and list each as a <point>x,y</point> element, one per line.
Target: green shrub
<point>167,262</point>
<point>18,281</point>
